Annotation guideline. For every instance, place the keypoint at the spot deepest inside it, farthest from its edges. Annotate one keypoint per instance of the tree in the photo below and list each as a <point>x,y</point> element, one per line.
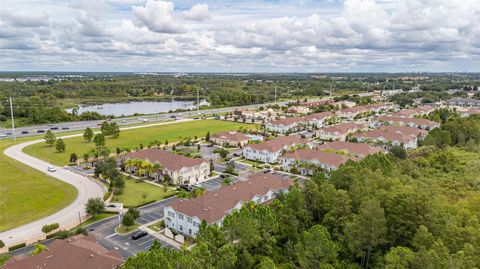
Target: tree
<point>231,168</point>
<point>118,184</point>
<point>399,152</point>
<point>316,249</point>
<point>99,140</point>
<point>88,134</point>
<point>86,156</point>
<point>50,138</point>
<point>38,249</point>
<point>212,166</point>
<point>115,130</point>
<point>60,145</point>
<point>128,220</point>
<point>94,206</point>
<point>367,230</point>
<point>2,244</point>
<point>399,258</point>
<point>73,157</point>
<point>134,212</point>
<point>207,137</point>
<point>106,128</point>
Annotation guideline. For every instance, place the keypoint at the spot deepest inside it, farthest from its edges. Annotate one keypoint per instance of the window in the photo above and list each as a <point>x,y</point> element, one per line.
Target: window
<point>181,228</point>
<point>189,220</point>
<point>189,231</point>
<point>171,214</point>
<point>180,216</point>
<point>195,224</point>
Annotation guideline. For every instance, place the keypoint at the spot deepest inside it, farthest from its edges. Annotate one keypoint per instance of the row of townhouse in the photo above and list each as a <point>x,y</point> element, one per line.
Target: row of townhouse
<point>351,113</point>
<point>395,135</point>
<point>267,115</point>
<point>339,131</point>
<point>464,102</point>
<point>269,151</point>
<point>179,168</point>
<point>295,124</point>
<point>412,112</point>
<point>185,216</point>
<point>329,156</point>
<point>411,122</point>
<point>230,138</point>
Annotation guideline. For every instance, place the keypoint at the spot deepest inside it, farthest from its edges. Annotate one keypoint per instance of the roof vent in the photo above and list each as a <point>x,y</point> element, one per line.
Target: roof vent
<point>216,194</point>
<point>49,257</point>
<point>91,256</point>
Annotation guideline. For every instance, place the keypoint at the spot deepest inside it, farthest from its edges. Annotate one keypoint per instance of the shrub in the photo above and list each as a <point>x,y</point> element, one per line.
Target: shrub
<point>2,244</point>
<point>81,230</point>
<point>50,227</point>
<point>12,248</point>
<point>38,249</point>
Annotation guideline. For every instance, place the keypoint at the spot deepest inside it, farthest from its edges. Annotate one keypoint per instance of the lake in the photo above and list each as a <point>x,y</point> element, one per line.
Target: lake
<point>128,109</point>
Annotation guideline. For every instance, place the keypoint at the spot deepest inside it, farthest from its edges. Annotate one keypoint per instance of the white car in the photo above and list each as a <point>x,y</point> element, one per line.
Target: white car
<point>145,120</point>
<point>124,121</point>
<point>51,169</point>
<point>2,135</point>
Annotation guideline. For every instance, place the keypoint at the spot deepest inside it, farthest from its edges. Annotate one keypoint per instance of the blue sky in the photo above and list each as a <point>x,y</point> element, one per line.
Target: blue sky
<point>240,36</point>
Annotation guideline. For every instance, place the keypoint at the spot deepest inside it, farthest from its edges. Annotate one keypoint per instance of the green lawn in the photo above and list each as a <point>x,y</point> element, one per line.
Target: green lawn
<point>97,218</point>
<point>27,194</point>
<point>133,138</point>
<point>133,193</point>
<point>126,230</point>
<point>157,226</point>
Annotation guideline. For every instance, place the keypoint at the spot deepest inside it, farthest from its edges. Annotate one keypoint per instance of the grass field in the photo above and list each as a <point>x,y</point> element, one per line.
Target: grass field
<point>133,193</point>
<point>133,138</point>
<point>27,194</point>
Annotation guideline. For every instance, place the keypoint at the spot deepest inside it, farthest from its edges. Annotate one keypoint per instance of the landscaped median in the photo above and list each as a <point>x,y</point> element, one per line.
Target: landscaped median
<point>134,137</point>
<point>27,194</point>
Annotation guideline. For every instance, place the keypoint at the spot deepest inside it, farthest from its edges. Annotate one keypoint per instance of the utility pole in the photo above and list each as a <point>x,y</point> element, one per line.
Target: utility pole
<point>13,122</point>
<point>275,94</point>
<point>198,101</point>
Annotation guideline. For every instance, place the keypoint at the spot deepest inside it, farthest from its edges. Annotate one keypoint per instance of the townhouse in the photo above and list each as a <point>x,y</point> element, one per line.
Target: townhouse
<point>299,110</point>
<point>230,138</point>
<point>418,111</point>
<point>351,113</point>
<point>339,131</point>
<point>318,119</point>
<point>269,151</point>
<point>465,102</point>
<point>180,169</point>
<point>394,135</point>
<point>185,216</point>
<point>411,122</point>
<point>307,160</point>
<point>359,150</point>
<point>287,125</point>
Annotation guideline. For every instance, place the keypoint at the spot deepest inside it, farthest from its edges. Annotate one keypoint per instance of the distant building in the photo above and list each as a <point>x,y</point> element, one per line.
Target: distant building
<point>185,216</point>
<point>359,150</point>
<point>351,113</point>
<point>418,111</point>
<point>306,160</point>
<point>318,119</point>
<point>269,151</point>
<point>465,102</point>
<point>230,138</point>
<point>76,252</point>
<point>411,122</point>
<point>179,168</point>
<point>287,125</point>
<point>339,131</point>
<point>299,110</point>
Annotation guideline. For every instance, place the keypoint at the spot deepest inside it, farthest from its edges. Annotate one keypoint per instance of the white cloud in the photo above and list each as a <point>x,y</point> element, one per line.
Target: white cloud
<point>158,17</point>
<point>198,12</point>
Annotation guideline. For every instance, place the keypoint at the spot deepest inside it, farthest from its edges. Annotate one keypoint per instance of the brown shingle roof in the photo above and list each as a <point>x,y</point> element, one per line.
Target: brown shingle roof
<point>167,159</point>
<point>213,206</point>
<point>76,252</point>
<point>287,121</point>
<point>330,158</point>
<point>231,136</point>
<point>277,144</point>
<point>405,120</point>
<point>359,149</point>
<point>342,128</point>
<point>401,134</point>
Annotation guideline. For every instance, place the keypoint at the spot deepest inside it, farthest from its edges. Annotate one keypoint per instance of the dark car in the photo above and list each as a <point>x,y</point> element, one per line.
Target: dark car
<point>223,175</point>
<point>138,235</point>
<point>24,132</point>
<point>40,131</point>
<point>65,128</point>
<point>185,187</point>
<point>236,154</point>
<point>53,128</point>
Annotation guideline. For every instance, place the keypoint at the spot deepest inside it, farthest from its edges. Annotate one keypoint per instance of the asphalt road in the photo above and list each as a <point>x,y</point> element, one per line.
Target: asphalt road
<point>66,217</point>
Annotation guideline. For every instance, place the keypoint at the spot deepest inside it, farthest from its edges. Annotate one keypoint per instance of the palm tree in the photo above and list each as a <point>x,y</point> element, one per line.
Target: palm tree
<point>157,168</point>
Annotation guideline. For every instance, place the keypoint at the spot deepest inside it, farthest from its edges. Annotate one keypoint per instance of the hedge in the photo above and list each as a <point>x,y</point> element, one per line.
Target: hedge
<point>50,227</point>
<point>143,204</point>
<point>12,248</point>
<point>2,244</point>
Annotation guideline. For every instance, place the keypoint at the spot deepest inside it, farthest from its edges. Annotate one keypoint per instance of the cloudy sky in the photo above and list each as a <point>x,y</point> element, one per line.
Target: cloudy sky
<point>240,36</point>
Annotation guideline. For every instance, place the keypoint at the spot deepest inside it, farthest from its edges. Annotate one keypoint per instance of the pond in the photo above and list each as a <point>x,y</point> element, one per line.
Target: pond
<point>147,107</point>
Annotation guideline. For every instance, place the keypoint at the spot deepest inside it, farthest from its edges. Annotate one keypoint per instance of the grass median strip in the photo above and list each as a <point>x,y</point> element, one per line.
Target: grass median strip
<point>133,138</point>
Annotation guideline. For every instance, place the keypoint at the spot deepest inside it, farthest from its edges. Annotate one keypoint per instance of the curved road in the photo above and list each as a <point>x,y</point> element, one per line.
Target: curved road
<point>66,217</point>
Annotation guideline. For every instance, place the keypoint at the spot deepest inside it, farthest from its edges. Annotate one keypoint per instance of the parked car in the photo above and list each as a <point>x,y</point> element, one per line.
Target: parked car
<point>124,121</point>
<point>236,154</point>
<point>40,131</point>
<point>2,135</point>
<point>54,128</point>
<point>267,170</point>
<point>185,187</point>
<point>224,175</point>
<point>24,132</point>
<point>138,235</point>
<point>51,169</point>
<point>65,128</point>
<point>145,120</point>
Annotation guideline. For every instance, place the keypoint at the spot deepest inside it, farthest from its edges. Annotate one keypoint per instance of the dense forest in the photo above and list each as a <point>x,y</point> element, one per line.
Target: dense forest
<point>45,101</point>
<point>421,212</point>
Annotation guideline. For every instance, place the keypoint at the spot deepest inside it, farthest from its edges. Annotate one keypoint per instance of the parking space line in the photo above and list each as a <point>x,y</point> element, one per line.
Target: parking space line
<point>111,235</point>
